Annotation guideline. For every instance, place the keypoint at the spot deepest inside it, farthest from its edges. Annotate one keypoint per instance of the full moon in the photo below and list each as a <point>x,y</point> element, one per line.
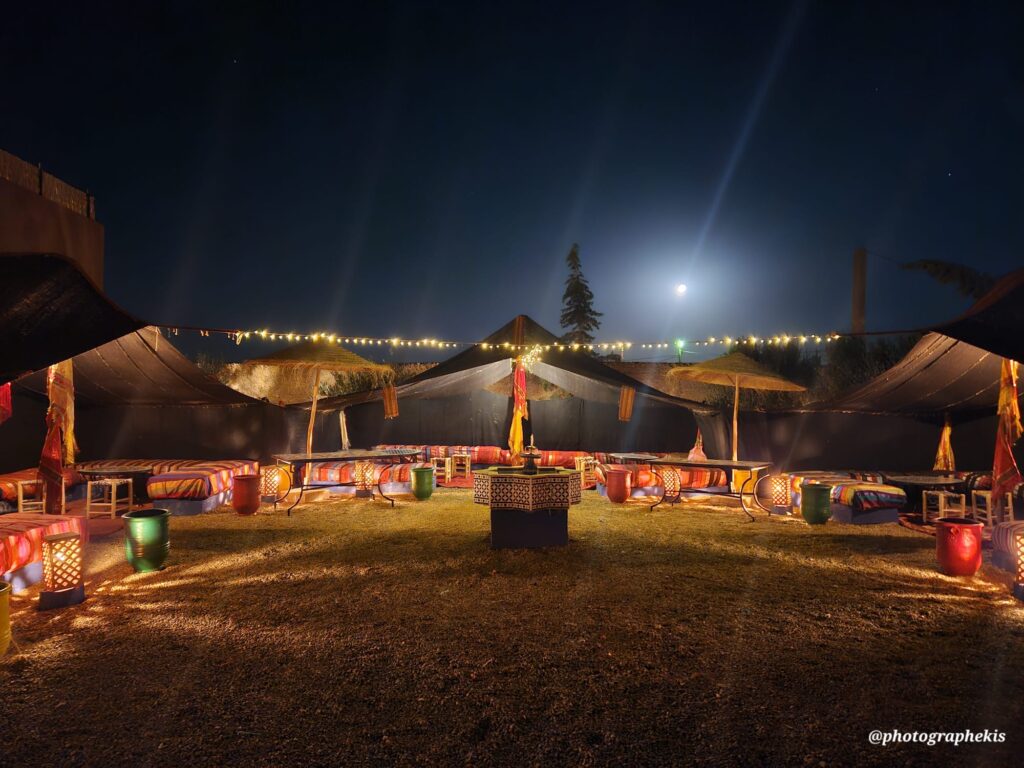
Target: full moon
<point>680,289</point>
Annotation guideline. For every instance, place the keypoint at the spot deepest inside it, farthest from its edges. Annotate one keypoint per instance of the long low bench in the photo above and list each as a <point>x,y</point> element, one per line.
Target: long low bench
<point>185,486</point>
<point>857,497</point>
<point>643,481</point>
<point>74,486</point>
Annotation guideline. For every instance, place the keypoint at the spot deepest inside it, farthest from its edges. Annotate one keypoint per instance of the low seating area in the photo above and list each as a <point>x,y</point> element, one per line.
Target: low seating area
<point>592,464</point>
<point>184,486</point>
<point>644,482</point>
<point>857,497</point>
<point>393,478</point>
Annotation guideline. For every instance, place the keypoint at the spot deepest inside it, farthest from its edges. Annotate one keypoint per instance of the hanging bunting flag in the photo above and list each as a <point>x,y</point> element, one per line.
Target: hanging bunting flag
<point>60,388</point>
<point>1005,475</point>
<point>697,452</point>
<point>390,402</point>
<point>944,459</point>
<point>626,397</point>
<point>6,407</point>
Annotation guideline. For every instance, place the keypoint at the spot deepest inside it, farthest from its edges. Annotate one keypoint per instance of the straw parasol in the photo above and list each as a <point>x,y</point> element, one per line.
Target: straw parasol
<point>736,370</point>
<point>318,357</point>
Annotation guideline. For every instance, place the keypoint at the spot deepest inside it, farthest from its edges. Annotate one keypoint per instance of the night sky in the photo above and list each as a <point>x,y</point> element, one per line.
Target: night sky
<point>422,170</point>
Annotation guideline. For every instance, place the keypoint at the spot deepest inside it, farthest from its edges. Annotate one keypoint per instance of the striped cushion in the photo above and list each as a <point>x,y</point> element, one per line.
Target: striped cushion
<point>196,483</point>
<point>848,491</point>
<point>641,476</point>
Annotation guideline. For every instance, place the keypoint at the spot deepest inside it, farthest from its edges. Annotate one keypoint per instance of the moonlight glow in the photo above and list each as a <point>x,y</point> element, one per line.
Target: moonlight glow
<point>680,289</point>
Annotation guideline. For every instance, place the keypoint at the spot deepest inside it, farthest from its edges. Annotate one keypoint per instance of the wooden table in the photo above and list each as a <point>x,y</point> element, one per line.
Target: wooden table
<point>751,483</point>
<point>915,486</point>
<point>299,462</point>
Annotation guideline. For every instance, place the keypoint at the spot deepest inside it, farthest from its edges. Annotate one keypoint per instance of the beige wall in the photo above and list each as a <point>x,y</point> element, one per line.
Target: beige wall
<point>31,224</point>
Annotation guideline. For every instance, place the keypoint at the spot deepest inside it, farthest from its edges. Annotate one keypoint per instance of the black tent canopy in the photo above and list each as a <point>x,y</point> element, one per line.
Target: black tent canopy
<point>449,402</point>
<point>139,397</point>
<point>140,368</point>
<point>50,311</point>
<point>996,321</point>
<point>939,375</point>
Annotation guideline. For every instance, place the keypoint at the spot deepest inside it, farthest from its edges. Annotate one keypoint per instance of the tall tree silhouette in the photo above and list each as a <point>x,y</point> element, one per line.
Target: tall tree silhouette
<point>579,318</point>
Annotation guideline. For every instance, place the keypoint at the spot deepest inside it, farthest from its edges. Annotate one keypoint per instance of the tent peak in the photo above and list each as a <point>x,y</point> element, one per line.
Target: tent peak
<point>520,330</point>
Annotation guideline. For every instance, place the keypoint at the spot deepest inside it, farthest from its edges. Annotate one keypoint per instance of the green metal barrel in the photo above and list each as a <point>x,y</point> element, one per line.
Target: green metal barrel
<point>422,482</point>
<point>815,503</point>
<point>147,539</point>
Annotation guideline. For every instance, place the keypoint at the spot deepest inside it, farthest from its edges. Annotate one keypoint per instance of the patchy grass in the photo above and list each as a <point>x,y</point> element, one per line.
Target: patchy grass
<point>352,633</point>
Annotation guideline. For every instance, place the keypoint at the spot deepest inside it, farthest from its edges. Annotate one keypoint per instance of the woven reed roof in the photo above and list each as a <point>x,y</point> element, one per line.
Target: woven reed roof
<point>733,368</point>
<point>322,355</point>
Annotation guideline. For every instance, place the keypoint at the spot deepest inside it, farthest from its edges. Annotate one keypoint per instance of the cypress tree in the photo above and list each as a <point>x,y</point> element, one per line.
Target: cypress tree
<point>579,317</point>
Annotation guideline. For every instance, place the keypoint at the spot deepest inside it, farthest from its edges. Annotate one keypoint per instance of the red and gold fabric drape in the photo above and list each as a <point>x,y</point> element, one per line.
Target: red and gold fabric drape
<point>6,408</point>
<point>390,402</point>
<point>1005,475</point>
<point>626,397</point>
<point>944,459</point>
<point>60,387</point>
<point>520,410</point>
<point>59,447</point>
<point>697,452</point>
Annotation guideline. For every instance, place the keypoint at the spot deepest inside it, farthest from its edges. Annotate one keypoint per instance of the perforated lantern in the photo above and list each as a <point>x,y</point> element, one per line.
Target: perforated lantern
<point>62,571</point>
<point>1018,554</point>
<point>275,483</point>
<point>364,479</point>
<point>778,486</point>
<point>672,483</point>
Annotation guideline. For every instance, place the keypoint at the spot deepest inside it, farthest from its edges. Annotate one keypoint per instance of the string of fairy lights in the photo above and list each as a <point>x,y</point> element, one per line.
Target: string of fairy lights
<point>727,342</point>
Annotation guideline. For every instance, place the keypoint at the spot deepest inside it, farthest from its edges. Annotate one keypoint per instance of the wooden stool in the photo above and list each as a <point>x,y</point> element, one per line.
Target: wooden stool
<point>443,467</point>
<point>981,508</point>
<point>586,465</point>
<point>37,505</point>
<point>462,461</point>
<point>942,503</point>
<point>108,501</point>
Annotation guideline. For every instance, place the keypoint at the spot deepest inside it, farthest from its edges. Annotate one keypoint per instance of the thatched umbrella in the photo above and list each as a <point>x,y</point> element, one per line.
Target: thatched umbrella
<point>736,370</point>
<point>319,356</point>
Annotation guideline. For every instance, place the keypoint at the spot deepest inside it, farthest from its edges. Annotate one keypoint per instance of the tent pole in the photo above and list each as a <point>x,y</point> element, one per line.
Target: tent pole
<point>736,420</point>
<point>312,413</point>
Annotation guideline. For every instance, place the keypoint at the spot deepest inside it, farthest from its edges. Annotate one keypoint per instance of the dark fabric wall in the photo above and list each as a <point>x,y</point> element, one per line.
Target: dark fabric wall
<point>483,418</point>
<point>854,441</point>
<point>255,431</point>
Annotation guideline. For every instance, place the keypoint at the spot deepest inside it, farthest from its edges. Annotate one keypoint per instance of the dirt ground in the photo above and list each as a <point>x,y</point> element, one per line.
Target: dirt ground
<point>354,634</point>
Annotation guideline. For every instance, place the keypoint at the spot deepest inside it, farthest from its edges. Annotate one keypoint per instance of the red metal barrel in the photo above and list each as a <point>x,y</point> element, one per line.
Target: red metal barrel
<point>617,485</point>
<point>958,546</point>
<point>245,494</point>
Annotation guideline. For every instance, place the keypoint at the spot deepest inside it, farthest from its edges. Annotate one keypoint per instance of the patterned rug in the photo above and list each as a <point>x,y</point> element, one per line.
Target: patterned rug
<point>459,481</point>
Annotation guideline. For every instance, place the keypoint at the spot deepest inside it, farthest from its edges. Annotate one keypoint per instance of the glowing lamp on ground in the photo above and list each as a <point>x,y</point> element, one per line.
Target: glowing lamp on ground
<point>62,571</point>
<point>778,487</point>
<point>1018,557</point>
<point>275,483</point>
<point>364,479</point>
<point>672,482</point>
